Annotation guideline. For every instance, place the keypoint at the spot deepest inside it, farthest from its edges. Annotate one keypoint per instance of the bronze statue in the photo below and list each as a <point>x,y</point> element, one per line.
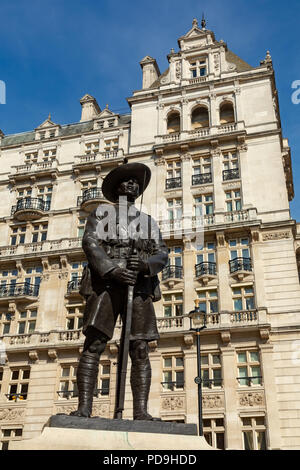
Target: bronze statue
<point>123,256</point>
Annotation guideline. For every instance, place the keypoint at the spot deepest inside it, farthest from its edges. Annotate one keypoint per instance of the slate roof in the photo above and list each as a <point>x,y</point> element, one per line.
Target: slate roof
<point>65,130</point>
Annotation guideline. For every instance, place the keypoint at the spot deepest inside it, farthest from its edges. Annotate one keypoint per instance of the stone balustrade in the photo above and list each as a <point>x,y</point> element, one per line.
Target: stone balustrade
<point>41,247</point>
<point>214,321</point>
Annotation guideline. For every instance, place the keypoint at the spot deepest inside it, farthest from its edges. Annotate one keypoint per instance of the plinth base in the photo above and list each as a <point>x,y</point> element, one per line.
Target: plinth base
<point>63,432</point>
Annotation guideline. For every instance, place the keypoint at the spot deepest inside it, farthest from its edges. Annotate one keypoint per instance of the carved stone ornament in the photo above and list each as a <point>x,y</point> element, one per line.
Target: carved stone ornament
<point>33,355</point>
<point>178,69</point>
<point>152,345</point>
<point>251,399</point>
<point>225,336</point>
<point>213,401</point>
<point>217,62</point>
<point>264,334</point>
<point>63,275</point>
<point>11,414</point>
<point>228,186</point>
<point>172,403</point>
<point>276,235</point>
<point>99,409</point>
<point>255,236</point>
<point>160,162</point>
<point>113,349</point>
<point>220,240</point>
<point>188,340</point>
<point>52,353</point>
<point>242,147</point>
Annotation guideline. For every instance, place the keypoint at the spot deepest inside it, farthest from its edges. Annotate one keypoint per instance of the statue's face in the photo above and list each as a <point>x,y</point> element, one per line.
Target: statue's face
<point>129,188</point>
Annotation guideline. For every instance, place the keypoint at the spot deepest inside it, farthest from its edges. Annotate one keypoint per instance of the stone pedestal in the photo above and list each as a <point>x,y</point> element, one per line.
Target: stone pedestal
<point>63,432</point>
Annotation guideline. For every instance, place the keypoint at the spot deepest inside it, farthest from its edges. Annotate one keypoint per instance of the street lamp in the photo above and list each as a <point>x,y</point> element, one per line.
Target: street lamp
<point>198,323</point>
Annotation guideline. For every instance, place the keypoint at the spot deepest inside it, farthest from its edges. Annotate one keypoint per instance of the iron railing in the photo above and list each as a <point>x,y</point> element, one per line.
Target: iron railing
<point>172,183</point>
<point>73,285</point>
<point>231,174</point>
<point>240,264</point>
<point>172,272</point>
<point>172,385</point>
<point>32,204</point>
<point>205,268</point>
<point>18,289</point>
<point>201,178</point>
<point>89,194</point>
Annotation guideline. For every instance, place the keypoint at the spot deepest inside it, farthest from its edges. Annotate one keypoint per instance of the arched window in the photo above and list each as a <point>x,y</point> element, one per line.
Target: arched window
<point>226,113</point>
<point>173,124</point>
<point>200,117</point>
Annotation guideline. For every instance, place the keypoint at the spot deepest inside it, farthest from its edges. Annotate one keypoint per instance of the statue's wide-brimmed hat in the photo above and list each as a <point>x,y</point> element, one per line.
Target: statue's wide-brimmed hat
<point>111,182</point>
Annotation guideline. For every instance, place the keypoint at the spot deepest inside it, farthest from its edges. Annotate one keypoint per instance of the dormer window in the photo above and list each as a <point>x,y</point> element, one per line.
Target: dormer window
<point>198,68</point>
<point>42,135</point>
<point>110,123</point>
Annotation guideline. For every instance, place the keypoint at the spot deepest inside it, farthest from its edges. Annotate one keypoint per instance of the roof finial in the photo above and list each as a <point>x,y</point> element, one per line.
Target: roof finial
<point>195,22</point>
<point>49,117</point>
<point>203,22</point>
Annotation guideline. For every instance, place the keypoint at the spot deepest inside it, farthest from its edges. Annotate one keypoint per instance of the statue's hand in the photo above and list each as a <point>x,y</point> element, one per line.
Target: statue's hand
<point>124,276</point>
<point>135,263</point>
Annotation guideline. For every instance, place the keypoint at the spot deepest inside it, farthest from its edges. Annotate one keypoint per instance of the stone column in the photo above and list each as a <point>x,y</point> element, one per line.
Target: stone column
<point>216,167</point>
<point>233,438</point>
<point>273,421</point>
<point>225,297</point>
<point>190,372</point>
<point>258,268</point>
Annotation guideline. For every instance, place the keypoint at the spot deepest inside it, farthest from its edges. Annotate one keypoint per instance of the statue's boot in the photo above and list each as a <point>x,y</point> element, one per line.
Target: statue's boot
<point>140,380</point>
<point>87,374</point>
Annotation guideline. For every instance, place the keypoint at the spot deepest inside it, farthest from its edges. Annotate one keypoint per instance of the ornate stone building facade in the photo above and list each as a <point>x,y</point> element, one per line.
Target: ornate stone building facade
<point>209,128</point>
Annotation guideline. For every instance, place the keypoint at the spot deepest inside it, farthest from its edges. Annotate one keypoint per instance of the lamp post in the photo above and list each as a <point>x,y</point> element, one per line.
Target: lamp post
<point>198,323</point>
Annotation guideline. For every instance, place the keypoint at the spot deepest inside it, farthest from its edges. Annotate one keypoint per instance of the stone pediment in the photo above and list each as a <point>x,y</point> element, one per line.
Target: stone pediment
<point>196,37</point>
<point>47,123</point>
<point>106,113</point>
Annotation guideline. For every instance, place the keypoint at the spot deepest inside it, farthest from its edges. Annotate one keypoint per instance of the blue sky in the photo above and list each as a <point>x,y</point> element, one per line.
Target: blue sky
<point>52,53</point>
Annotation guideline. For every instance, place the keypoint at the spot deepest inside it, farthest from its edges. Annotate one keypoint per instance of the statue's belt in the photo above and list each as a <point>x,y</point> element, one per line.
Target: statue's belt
<point>122,252</point>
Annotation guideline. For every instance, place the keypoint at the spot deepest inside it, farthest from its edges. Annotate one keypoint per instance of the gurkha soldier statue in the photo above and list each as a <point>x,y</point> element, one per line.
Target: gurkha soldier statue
<point>123,256</point>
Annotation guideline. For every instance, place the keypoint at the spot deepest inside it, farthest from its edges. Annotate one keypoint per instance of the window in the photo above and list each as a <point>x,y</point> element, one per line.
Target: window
<point>49,155</point>
<point>8,435</point>
<point>103,379</point>
<point>39,232</point>
<point>174,169</point>
<point>5,321</point>
<point>80,227</point>
<point>8,279</point>
<point>198,68</point>
<point>91,147</point>
<point>214,432</point>
<point>206,258</point>
<point>200,117</point>
<point>52,134</point>
<point>208,301</point>
<point>249,371</point>
<point>175,256</point>
<point>74,317</point>
<point>18,235</point>
<point>243,298</point>
<point>173,305</point>
<point>18,384</point>
<point>206,252</point>
<point>230,161</point>
<point>173,122</point>
<point>67,382</point>
<point>111,145</point>
<point>31,157</point>
<point>239,248</point>
<point>33,277</point>
<point>174,209</point>
<point>201,166</point>
<point>45,193</point>
<point>173,372</point>
<point>203,205</point>
<point>211,370</point>
<point>42,135</point>
<point>233,200</point>
<point>254,433</point>
<point>27,322</point>
<point>226,113</point>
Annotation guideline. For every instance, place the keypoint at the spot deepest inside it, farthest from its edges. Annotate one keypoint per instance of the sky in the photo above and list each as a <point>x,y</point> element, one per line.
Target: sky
<point>53,53</point>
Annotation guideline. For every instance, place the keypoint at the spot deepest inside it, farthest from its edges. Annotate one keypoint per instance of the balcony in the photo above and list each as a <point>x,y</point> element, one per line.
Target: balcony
<point>44,168</point>
<point>19,289</point>
<point>232,174</point>
<point>90,199</point>
<point>29,208</point>
<point>206,271</point>
<point>240,264</point>
<point>173,183</point>
<point>91,160</point>
<point>203,178</point>
<point>73,287</point>
<point>172,272</point>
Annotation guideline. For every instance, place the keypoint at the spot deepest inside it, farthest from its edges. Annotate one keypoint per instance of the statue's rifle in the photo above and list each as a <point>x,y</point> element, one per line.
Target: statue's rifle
<point>125,340</point>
